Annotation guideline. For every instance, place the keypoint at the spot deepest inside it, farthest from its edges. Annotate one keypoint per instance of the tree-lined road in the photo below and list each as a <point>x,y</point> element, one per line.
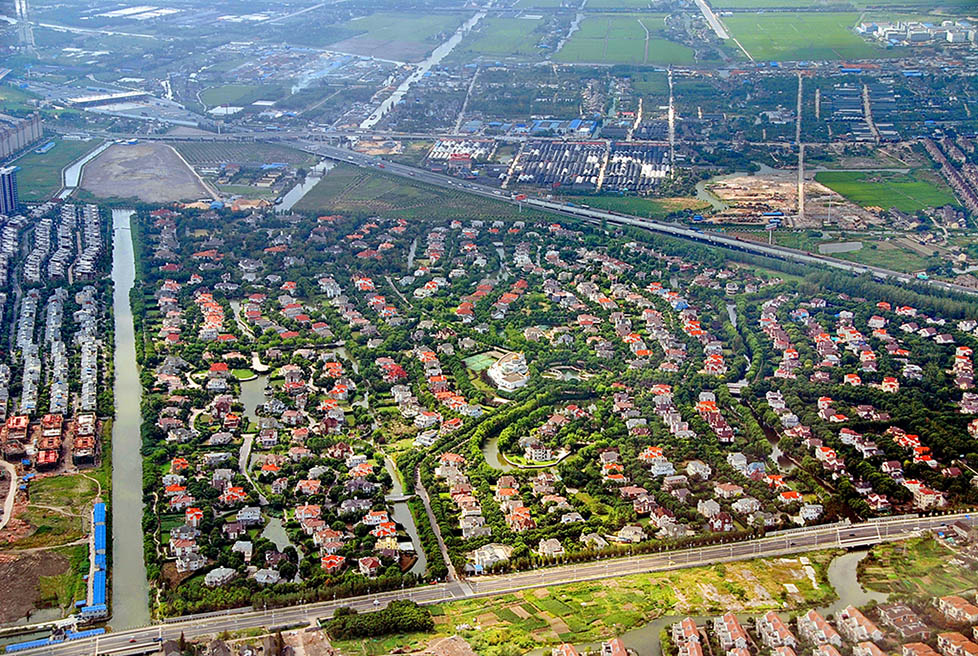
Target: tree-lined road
<point>785,543</point>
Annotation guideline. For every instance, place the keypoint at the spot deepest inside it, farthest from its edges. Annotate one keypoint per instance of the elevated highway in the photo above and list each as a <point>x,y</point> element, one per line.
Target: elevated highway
<point>784,543</point>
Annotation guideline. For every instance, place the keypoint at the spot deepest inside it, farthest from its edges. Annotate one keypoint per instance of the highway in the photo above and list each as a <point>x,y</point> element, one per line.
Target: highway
<point>790,542</point>
<point>598,216</point>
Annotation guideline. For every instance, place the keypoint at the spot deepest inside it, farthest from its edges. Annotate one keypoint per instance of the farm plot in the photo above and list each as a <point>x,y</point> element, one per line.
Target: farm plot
<point>799,36</point>
<point>395,36</point>
<point>623,39</point>
<point>907,193</point>
<point>504,37</point>
<point>240,153</point>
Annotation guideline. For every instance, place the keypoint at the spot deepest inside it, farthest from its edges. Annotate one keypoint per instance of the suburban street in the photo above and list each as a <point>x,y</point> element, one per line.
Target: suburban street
<point>789,542</point>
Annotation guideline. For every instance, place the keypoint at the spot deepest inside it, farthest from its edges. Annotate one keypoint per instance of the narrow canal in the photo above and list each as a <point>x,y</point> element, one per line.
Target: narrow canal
<point>130,591</point>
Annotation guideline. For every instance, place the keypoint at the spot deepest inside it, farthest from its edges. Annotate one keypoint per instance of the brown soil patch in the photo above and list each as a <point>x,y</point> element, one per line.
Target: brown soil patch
<point>520,612</point>
<point>487,619</point>
<point>559,626</point>
<point>19,578</point>
<point>172,577</point>
<point>451,646</point>
<point>151,172</point>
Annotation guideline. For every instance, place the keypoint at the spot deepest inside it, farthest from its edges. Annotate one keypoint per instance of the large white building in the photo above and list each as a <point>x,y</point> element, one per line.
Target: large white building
<point>509,373</point>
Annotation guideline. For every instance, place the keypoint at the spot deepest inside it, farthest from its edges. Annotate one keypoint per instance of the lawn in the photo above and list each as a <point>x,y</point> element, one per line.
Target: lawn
<point>504,37</point>
<point>243,374</point>
<point>39,177</point>
<point>59,510</point>
<point>15,99</point>
<point>907,193</point>
<point>591,611</point>
<point>919,567</point>
<point>623,39</point>
<point>356,191</point>
<point>803,36</point>
<point>73,493</point>
<point>237,94</point>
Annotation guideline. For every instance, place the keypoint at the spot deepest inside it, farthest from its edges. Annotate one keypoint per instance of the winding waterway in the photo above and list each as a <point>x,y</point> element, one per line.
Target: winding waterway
<point>644,640</point>
<point>402,515</point>
<point>130,591</point>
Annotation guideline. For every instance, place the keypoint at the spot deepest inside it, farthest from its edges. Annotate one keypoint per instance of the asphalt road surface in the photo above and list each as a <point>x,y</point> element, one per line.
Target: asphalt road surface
<point>795,541</point>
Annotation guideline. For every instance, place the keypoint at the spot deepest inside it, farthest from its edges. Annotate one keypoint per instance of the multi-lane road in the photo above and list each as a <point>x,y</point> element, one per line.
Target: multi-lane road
<point>583,212</point>
<point>796,541</point>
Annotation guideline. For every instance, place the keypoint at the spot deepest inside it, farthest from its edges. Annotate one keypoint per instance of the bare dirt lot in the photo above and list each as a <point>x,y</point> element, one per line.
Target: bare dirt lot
<point>153,173</point>
<point>19,581</point>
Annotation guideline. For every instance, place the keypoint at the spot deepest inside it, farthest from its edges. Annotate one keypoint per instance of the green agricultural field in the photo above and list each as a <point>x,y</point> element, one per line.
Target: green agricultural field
<point>504,37</point>
<point>396,36</point>
<point>802,36</point>
<point>598,610</point>
<point>39,177</point>
<point>623,39</point>
<point>907,193</point>
<point>916,567</point>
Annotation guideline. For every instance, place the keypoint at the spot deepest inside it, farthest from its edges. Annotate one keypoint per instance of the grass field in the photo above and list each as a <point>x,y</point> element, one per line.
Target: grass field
<point>396,36</point>
<point>917,567</point>
<point>816,4</point>
<point>622,39</point>
<point>237,94</point>
<point>590,611</point>
<point>619,4</point>
<point>241,153</point>
<point>503,37</point>
<point>39,177</point>
<point>802,36</point>
<point>888,256</point>
<point>359,192</point>
<point>14,99</point>
<point>907,193</point>
<point>648,207</point>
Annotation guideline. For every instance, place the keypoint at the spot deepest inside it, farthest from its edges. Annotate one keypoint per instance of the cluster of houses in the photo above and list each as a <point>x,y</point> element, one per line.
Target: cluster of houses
<point>451,469</point>
<point>852,631</point>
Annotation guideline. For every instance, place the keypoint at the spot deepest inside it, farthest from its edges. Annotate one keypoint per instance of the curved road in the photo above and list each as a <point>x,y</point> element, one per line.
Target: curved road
<point>8,503</point>
<point>796,541</point>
